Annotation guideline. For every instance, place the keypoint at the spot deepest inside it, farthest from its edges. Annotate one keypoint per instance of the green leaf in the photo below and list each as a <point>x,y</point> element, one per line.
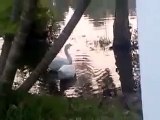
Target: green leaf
<point>44,3</point>
<point>6,25</point>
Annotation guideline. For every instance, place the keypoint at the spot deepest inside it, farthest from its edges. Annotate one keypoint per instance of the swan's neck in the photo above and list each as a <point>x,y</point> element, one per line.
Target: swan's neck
<point>68,56</point>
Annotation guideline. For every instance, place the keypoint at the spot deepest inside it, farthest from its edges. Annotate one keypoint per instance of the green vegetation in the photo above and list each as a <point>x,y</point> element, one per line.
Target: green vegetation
<point>34,107</point>
<point>9,26</point>
<point>6,25</point>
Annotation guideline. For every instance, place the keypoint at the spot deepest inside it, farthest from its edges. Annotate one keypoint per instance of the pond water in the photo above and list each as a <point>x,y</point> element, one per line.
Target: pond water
<point>91,40</point>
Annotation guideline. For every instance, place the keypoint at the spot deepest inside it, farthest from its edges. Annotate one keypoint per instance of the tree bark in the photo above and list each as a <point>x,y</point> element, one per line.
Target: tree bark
<point>122,46</point>
<point>5,51</point>
<point>17,46</point>
<point>51,54</point>
<point>8,38</point>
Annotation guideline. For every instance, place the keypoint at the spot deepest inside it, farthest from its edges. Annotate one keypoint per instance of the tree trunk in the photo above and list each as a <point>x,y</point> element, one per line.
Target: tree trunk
<point>5,51</point>
<point>51,54</point>
<point>17,46</point>
<point>8,39</point>
<point>122,46</point>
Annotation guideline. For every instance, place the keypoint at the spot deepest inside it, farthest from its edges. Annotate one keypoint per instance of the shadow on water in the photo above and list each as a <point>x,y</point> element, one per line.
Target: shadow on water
<point>97,11</point>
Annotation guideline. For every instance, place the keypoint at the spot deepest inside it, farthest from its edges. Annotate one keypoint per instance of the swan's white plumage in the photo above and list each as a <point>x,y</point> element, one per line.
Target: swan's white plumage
<point>66,72</point>
<point>57,63</point>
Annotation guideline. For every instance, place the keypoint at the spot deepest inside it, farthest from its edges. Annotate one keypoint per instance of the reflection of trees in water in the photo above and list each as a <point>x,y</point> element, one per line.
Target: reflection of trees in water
<point>102,43</point>
<point>106,84</point>
<point>98,23</point>
<point>61,7</point>
<point>100,9</point>
<point>97,10</point>
<point>84,74</point>
<point>91,81</point>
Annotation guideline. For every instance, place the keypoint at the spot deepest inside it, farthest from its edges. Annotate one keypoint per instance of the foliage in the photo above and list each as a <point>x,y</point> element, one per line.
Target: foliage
<point>37,41</point>
<point>36,45</point>
<point>44,3</point>
<point>6,25</point>
<point>59,108</point>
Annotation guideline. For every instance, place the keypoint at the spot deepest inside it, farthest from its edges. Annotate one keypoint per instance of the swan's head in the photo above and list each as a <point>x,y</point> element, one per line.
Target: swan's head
<point>68,46</point>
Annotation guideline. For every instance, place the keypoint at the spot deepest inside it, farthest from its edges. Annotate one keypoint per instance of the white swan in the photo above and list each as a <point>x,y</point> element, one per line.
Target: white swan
<point>64,70</point>
<point>58,62</point>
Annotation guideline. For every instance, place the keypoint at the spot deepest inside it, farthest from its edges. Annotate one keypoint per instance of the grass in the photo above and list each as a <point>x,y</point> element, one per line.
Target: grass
<point>59,108</point>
